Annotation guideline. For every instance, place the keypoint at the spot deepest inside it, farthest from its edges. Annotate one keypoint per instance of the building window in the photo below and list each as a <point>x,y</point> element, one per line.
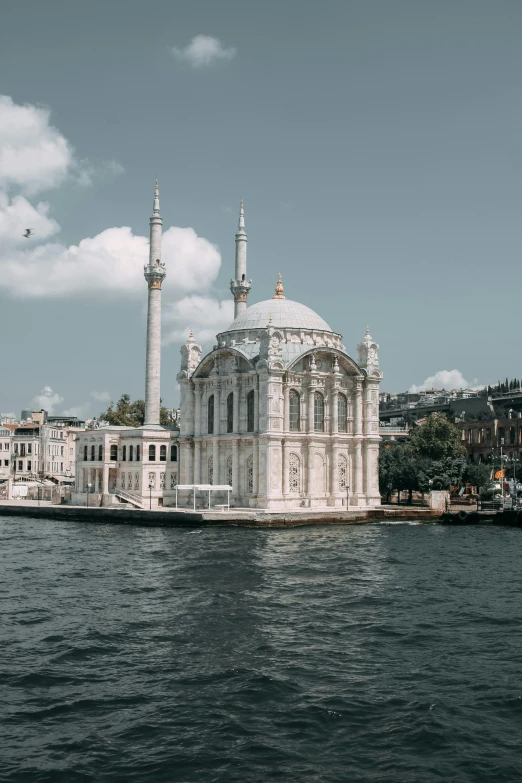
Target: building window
<point>123,480</point>
<point>136,481</point>
<point>61,467</point>
<point>318,412</point>
<point>162,481</point>
<point>124,454</point>
<point>173,453</point>
<point>250,411</point>
<point>131,453</point>
<point>294,473</point>
<point>93,453</point>
<point>138,454</point>
<point>500,433</point>
<point>173,480</point>
<point>210,415</point>
<point>211,470</point>
<point>85,453</point>
<point>61,451</point>
<point>229,470</point>
<point>100,452</point>
<point>152,480</point>
<point>29,465</point>
<point>512,434</point>
<point>29,448</point>
<point>230,412</point>
<point>342,411</point>
<point>152,453</point>
<point>114,453</point>
<point>163,453</point>
<point>295,411</point>
<point>343,472</point>
<point>20,464</point>
<point>250,474</point>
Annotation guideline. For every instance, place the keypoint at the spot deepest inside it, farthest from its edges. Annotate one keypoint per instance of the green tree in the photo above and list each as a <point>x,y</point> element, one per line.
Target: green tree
<point>132,414</point>
<point>477,474</point>
<point>437,439</point>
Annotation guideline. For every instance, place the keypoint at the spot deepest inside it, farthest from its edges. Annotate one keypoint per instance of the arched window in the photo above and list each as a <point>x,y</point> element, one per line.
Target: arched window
<point>131,453</point>
<point>162,481</point>
<point>152,453</point>
<point>84,453</point>
<point>211,470</point>
<point>124,454</point>
<point>342,467</point>
<point>229,470</point>
<point>136,481</point>
<point>250,411</point>
<point>250,474</point>
<point>163,453</point>
<point>100,452</point>
<point>93,454</point>
<point>138,453</point>
<point>295,411</point>
<point>152,480</point>
<point>342,411</point>
<point>318,412</point>
<point>230,412</point>
<point>210,416</point>
<point>173,453</point>
<point>123,480</point>
<point>114,452</point>
<point>173,480</point>
<point>294,470</point>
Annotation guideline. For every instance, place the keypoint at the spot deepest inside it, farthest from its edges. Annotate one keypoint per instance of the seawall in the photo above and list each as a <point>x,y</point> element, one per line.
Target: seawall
<point>169,518</point>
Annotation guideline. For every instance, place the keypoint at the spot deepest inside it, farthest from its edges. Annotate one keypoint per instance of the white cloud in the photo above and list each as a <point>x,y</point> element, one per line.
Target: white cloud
<point>103,396</point>
<point>33,154</point>
<point>47,399</point>
<point>18,214</point>
<point>80,411</point>
<point>204,50</point>
<point>111,264</point>
<point>205,315</point>
<point>444,379</point>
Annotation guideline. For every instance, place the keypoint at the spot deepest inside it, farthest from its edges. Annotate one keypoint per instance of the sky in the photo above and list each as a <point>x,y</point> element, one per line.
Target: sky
<point>376,146</point>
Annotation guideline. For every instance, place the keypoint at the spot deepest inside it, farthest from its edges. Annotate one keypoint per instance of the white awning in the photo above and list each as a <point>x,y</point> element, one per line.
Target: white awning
<point>206,487</point>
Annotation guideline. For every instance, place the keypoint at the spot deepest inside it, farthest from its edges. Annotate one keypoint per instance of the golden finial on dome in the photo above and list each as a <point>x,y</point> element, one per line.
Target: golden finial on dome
<point>279,288</point>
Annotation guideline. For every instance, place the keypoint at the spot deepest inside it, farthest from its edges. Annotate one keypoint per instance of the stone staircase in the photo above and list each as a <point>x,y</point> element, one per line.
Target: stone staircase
<point>129,497</point>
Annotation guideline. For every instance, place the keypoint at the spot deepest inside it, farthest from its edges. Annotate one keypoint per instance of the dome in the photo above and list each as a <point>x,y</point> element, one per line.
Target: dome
<point>284,313</point>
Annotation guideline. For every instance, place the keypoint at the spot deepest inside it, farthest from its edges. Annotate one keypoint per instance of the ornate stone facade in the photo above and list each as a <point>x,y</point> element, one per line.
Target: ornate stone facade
<point>281,411</point>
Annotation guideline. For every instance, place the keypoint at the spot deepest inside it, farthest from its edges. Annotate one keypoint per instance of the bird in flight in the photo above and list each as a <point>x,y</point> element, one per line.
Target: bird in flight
<point>28,232</point>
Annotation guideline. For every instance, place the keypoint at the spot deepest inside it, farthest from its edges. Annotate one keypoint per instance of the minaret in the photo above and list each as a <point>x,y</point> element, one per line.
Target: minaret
<point>154,273</point>
<point>240,286</point>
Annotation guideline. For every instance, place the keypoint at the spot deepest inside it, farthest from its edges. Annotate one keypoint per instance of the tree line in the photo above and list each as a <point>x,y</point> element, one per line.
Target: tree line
<point>432,457</point>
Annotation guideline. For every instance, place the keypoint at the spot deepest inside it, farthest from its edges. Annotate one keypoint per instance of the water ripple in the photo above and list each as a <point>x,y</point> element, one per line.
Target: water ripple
<point>379,653</point>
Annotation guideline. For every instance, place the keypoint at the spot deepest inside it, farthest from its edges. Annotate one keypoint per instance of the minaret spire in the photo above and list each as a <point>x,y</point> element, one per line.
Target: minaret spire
<point>240,286</point>
<point>154,273</point>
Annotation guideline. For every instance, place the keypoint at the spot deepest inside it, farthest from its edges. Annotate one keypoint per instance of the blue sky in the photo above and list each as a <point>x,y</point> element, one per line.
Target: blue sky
<point>376,146</point>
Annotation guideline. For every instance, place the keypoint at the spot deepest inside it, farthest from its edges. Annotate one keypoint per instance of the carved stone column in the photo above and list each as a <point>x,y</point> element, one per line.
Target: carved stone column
<point>334,472</point>
<point>358,464</point>
<point>235,409</point>
<point>197,462</point>
<point>334,397</point>
<point>310,408</point>
<point>215,460</point>
<point>358,408</point>
<point>105,479</point>
<point>310,482</point>
<point>286,408</point>
<point>367,470</point>
<point>255,467</point>
<point>235,468</point>
<point>197,416</point>
<point>286,467</point>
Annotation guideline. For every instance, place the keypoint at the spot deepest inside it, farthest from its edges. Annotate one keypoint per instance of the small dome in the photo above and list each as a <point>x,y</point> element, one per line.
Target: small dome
<point>284,313</point>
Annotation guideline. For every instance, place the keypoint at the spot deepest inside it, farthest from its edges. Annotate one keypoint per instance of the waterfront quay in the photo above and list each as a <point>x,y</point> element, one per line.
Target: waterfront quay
<point>214,517</point>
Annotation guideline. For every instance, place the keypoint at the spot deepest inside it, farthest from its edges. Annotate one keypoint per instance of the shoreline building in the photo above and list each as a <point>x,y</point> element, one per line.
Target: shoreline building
<point>277,410</point>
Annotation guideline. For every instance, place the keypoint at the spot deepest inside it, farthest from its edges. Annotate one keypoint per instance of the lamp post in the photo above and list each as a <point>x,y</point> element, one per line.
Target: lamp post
<point>150,495</point>
<point>88,490</point>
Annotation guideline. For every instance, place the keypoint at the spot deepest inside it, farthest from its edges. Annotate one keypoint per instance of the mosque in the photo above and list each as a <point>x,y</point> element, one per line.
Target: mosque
<point>277,411</point>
